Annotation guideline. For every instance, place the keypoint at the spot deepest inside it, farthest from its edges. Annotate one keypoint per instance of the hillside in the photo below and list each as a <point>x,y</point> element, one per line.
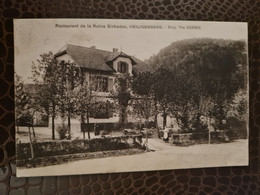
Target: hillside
<point>202,52</point>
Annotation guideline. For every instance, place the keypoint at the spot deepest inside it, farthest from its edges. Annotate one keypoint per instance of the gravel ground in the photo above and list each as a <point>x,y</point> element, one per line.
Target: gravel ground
<point>165,156</point>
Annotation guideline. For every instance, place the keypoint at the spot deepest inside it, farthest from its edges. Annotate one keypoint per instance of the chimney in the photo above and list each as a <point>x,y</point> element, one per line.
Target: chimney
<point>93,47</point>
<point>115,50</point>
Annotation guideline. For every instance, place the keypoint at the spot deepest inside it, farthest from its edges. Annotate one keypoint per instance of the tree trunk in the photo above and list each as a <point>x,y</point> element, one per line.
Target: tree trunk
<point>156,125</point>
<point>123,115</point>
<point>53,121</point>
<point>155,118</point>
<point>209,135</point>
<point>31,144</point>
<point>88,125</point>
<point>155,121</point>
<point>33,126</point>
<point>33,131</point>
<point>83,130</point>
<point>164,119</point>
<point>84,135</point>
<point>69,126</point>
<point>146,123</point>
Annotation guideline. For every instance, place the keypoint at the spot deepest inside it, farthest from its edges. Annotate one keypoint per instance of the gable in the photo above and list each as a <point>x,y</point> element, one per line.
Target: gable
<point>94,59</point>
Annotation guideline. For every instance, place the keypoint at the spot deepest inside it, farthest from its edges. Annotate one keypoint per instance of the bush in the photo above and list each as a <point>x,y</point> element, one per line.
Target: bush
<point>236,128</point>
<point>200,136</point>
<point>63,131</point>
<point>53,148</point>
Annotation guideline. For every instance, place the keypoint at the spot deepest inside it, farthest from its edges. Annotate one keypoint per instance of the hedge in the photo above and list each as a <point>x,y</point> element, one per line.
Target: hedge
<point>54,148</point>
<point>186,139</point>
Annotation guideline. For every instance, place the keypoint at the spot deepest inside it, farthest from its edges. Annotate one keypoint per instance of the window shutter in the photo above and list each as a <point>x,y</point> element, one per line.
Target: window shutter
<point>110,84</point>
<point>119,66</point>
<point>126,68</point>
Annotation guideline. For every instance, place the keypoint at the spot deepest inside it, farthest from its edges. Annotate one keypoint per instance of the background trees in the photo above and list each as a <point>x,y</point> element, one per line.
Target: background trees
<point>199,77</point>
<point>25,109</point>
<point>22,101</point>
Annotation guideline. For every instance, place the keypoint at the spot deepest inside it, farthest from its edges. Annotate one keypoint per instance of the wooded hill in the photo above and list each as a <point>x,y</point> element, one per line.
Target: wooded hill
<point>200,77</point>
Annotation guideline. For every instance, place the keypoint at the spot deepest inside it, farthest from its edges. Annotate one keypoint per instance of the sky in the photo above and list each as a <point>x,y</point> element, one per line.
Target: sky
<point>33,37</point>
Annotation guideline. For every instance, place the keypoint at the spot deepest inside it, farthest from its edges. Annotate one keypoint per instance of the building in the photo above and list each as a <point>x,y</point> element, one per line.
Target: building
<point>99,69</point>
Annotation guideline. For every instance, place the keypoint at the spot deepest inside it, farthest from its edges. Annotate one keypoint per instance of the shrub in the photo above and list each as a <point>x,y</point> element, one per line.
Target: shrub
<point>236,128</point>
<point>63,131</point>
<point>53,148</point>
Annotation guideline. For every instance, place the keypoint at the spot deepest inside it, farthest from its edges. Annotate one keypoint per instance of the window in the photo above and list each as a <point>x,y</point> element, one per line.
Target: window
<point>99,83</point>
<point>122,67</point>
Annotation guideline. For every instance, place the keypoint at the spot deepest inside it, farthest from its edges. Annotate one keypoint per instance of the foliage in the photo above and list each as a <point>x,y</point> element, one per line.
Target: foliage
<point>85,102</point>
<point>22,102</point>
<point>44,75</point>
<point>143,102</point>
<point>236,128</point>
<point>25,109</point>
<point>238,106</point>
<point>102,109</point>
<point>69,78</point>
<point>122,95</point>
<point>63,131</point>
<point>143,108</point>
<point>54,148</point>
<point>199,77</point>
<point>58,81</point>
<point>142,84</point>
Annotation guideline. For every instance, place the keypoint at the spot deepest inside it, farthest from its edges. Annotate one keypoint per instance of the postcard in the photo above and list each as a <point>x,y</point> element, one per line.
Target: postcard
<point>104,96</point>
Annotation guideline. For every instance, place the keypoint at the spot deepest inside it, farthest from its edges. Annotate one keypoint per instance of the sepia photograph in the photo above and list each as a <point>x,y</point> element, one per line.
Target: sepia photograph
<point>104,95</point>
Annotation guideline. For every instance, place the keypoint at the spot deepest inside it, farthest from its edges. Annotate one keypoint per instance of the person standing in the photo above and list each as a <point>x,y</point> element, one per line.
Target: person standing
<point>166,135</point>
<point>96,130</point>
<point>224,127</point>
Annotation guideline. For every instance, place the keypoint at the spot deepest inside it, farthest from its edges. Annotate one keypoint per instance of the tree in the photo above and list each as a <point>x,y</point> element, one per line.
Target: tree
<point>238,106</point>
<point>22,100</point>
<point>85,104</point>
<point>57,81</point>
<point>203,70</point>
<point>45,75</point>
<point>144,103</point>
<point>143,108</point>
<point>122,95</point>
<point>163,90</point>
<point>69,78</point>
<point>24,108</point>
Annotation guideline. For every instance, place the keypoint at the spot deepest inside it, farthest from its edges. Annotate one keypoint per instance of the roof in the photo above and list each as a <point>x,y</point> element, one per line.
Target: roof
<point>92,58</point>
<point>140,66</point>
